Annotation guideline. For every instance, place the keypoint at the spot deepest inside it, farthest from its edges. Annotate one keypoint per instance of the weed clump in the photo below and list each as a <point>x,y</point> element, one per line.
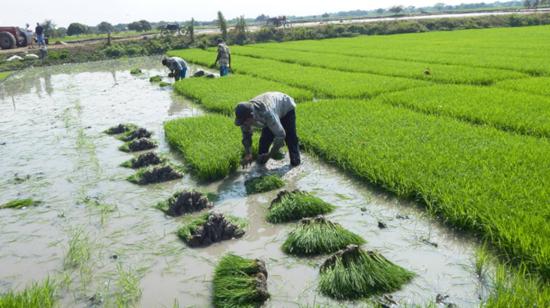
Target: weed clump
<point>290,206</point>
<point>155,174</point>
<point>136,71</point>
<point>155,79</point>
<point>211,228</point>
<point>263,184</point>
<point>137,145</point>
<point>143,160</point>
<point>240,282</point>
<point>120,129</point>
<point>185,202</point>
<point>135,134</point>
<point>353,273</point>
<point>315,236</point>
<point>20,203</point>
<point>37,295</point>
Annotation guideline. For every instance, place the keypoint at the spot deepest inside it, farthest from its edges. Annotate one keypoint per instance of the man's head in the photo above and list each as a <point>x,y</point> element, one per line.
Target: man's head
<point>164,61</point>
<point>37,24</point>
<point>243,113</point>
<point>219,40</point>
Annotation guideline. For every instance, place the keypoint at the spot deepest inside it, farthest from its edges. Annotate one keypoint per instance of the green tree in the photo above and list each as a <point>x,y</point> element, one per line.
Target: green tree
<point>105,27</point>
<point>140,26</point>
<point>190,29</point>
<point>222,24</point>
<point>240,31</point>
<point>49,28</point>
<point>77,28</point>
<point>396,9</point>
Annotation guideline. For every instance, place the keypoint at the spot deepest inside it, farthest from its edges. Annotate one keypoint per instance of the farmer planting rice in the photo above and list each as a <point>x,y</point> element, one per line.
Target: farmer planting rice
<point>177,66</point>
<point>274,113</point>
<point>223,58</point>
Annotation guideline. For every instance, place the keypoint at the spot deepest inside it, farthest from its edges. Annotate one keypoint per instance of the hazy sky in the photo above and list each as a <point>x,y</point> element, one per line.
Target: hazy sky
<point>92,12</point>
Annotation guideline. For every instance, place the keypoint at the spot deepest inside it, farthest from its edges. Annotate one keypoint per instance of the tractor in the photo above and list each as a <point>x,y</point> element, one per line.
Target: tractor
<point>11,37</point>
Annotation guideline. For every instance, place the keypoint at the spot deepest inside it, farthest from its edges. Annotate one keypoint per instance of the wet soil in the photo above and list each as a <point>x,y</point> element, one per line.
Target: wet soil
<point>216,229</point>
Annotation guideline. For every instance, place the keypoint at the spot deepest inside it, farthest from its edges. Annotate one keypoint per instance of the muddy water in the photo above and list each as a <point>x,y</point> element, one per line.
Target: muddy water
<point>53,149</point>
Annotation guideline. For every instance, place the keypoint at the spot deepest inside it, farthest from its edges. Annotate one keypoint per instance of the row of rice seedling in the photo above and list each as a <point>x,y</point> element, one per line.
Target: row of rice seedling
<point>504,109</point>
<point>324,82</point>
<point>535,85</point>
<point>398,68</point>
<point>37,295</point>
<point>219,94</point>
<point>211,144</point>
<point>477,178</point>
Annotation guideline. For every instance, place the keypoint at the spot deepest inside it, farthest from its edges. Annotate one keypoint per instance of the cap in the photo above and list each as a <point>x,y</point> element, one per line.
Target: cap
<point>242,112</point>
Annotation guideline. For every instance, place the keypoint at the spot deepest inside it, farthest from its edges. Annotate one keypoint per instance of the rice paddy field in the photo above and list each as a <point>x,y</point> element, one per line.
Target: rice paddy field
<point>425,178</point>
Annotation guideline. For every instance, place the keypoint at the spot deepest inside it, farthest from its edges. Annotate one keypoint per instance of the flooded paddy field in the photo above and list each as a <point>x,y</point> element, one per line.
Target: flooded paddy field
<point>103,242</point>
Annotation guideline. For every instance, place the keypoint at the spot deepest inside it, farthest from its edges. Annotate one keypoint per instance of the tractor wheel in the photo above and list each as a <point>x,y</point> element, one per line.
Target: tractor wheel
<point>7,40</point>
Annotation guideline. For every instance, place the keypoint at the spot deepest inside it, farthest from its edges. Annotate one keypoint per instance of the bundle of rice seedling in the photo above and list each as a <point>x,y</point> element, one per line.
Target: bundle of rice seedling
<point>211,228</point>
<point>315,236</point>
<point>156,78</point>
<point>137,133</point>
<point>353,273</point>
<point>143,160</point>
<point>19,204</point>
<point>121,128</point>
<point>155,174</point>
<point>185,202</point>
<point>163,84</point>
<point>290,206</point>
<point>240,282</point>
<point>135,71</point>
<point>263,183</point>
<point>138,145</point>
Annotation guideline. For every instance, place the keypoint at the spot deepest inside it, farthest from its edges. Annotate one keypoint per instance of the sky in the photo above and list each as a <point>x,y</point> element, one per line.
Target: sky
<point>92,12</point>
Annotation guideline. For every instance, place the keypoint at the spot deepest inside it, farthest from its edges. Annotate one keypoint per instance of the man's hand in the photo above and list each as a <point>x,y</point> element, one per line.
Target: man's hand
<point>246,161</point>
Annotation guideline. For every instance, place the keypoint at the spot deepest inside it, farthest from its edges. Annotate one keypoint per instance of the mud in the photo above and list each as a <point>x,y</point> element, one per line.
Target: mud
<point>120,129</point>
<point>187,202</point>
<point>144,160</point>
<point>137,134</point>
<point>153,175</point>
<point>216,229</point>
<point>138,145</point>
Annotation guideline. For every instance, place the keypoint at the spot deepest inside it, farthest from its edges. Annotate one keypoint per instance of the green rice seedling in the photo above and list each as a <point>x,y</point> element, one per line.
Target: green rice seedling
<point>136,71</point>
<point>144,160</point>
<point>482,261</point>
<point>137,145</point>
<point>185,202</point>
<point>478,179</point>
<point>127,285</point>
<point>211,228</point>
<point>156,174</point>
<point>20,203</point>
<point>155,79</point>
<point>219,94</point>
<point>518,112</point>
<point>263,183</point>
<point>41,295</point>
<point>353,273</point>
<point>4,75</point>
<point>343,84</point>
<point>121,128</point>
<point>239,282</point>
<point>211,145</point>
<point>536,85</point>
<point>163,84</point>
<point>315,236</point>
<point>79,252</point>
<point>291,206</point>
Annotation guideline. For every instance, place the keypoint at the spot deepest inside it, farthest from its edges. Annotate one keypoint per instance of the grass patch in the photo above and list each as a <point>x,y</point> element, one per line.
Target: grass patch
<point>239,282</point>
<point>37,295</point>
<point>137,145</point>
<point>155,79</point>
<point>211,228</point>
<point>315,236</point>
<point>184,202</point>
<point>263,183</point>
<point>136,71</point>
<point>121,128</point>
<point>156,174</point>
<point>353,273</point>
<point>210,144</point>
<point>20,203</point>
<point>291,206</point>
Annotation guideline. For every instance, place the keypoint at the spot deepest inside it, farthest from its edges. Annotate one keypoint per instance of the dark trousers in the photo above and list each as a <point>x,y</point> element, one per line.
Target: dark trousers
<point>289,124</point>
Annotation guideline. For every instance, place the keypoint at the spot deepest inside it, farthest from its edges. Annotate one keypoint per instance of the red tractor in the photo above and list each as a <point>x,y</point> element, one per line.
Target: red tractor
<point>11,37</point>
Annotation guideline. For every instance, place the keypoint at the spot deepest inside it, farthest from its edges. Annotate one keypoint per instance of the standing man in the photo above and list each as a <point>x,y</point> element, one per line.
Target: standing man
<point>223,58</point>
<point>39,30</point>
<point>177,66</point>
<point>29,36</point>
<point>274,113</point>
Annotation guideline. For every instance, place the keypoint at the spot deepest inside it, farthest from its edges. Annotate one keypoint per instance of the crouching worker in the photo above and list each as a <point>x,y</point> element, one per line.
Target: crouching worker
<point>177,67</point>
<point>274,113</point>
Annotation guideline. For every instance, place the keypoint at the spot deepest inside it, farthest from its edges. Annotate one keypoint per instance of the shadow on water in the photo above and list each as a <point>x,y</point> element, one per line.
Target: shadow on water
<point>53,149</point>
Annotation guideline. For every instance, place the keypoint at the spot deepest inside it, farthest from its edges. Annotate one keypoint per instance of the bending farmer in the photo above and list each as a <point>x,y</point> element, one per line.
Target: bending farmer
<point>223,58</point>
<point>274,113</point>
<point>177,67</point>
